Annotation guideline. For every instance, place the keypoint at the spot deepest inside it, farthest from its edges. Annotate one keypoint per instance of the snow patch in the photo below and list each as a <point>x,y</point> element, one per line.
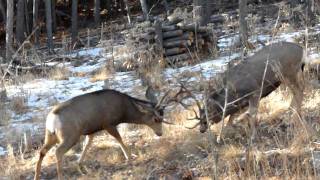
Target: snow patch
<point>94,52</point>
<point>2,151</point>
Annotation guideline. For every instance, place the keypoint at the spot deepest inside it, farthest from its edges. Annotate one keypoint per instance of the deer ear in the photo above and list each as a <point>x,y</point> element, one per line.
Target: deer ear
<point>142,108</point>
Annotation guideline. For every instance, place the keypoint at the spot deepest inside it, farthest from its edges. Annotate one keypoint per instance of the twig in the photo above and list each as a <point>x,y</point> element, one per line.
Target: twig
<point>16,53</point>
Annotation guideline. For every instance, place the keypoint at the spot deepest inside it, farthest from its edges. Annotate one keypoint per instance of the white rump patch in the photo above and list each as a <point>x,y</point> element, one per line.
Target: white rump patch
<point>53,122</point>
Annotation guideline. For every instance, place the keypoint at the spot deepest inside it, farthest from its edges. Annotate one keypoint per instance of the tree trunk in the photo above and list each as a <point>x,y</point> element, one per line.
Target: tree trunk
<point>9,29</point>
<point>310,13</point>
<point>109,7</point>
<point>166,7</point>
<point>128,11</point>
<point>201,13</point>
<point>20,22</point>
<point>54,16</point>
<point>35,22</point>
<point>122,6</point>
<point>74,26</point>
<point>49,24</point>
<point>144,7</point>
<point>97,12</point>
<point>2,11</point>
<point>243,22</point>
<point>28,22</point>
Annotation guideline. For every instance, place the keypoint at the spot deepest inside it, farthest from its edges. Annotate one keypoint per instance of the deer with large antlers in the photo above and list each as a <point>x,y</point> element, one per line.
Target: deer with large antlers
<point>90,113</point>
<point>254,78</point>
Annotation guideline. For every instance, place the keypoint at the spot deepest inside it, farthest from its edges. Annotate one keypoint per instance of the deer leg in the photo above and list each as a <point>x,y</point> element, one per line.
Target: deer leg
<point>238,117</point>
<point>65,144</point>
<point>114,132</point>
<point>86,144</point>
<point>50,141</point>
<point>252,112</point>
<point>296,86</point>
<point>232,119</point>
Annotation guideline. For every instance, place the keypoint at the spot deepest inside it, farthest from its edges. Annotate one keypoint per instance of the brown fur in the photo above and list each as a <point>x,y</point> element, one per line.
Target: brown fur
<point>93,112</point>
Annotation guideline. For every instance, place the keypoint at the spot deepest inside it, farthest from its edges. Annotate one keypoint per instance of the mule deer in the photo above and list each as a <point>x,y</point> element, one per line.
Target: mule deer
<point>89,113</point>
<point>254,78</point>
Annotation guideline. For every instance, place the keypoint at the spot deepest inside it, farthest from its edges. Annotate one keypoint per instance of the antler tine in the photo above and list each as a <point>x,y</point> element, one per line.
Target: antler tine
<point>191,95</point>
<point>196,116</point>
<point>167,122</point>
<point>192,127</point>
<point>175,97</point>
<point>162,99</point>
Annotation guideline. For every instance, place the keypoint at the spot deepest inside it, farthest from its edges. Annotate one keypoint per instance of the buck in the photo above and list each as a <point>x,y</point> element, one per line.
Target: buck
<point>89,113</point>
<point>254,78</point>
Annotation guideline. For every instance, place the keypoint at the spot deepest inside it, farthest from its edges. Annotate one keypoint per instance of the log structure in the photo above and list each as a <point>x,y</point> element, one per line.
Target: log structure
<point>177,40</point>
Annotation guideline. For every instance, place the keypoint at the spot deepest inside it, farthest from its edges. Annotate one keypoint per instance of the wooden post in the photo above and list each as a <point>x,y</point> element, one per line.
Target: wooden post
<point>88,38</point>
<point>101,32</point>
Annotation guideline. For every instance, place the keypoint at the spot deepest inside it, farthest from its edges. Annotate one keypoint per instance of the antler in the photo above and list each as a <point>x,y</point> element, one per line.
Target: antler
<point>167,122</point>
<point>175,98</point>
<point>162,99</point>
<point>196,116</point>
<point>195,99</point>
<point>194,126</point>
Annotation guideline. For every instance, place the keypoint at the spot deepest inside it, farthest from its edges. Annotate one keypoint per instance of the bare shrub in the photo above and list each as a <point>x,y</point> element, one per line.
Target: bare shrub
<point>101,74</point>
<point>60,73</point>
<point>5,115</point>
<point>18,104</point>
<point>12,169</point>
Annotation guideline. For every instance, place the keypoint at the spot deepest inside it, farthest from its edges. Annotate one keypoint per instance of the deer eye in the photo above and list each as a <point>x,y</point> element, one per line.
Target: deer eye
<point>157,120</point>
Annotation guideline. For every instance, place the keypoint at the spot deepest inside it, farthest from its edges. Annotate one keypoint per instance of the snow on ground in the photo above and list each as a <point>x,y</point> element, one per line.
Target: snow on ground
<point>2,151</point>
<point>41,94</point>
<point>94,52</point>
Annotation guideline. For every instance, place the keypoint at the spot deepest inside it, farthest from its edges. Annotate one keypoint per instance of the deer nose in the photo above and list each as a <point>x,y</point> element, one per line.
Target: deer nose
<point>159,133</point>
<point>203,130</point>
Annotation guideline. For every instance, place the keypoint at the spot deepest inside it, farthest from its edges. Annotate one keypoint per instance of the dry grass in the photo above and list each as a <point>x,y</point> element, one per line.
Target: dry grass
<point>101,74</point>
<point>26,77</point>
<point>18,104</point>
<point>187,153</point>
<point>60,73</point>
<point>5,115</point>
